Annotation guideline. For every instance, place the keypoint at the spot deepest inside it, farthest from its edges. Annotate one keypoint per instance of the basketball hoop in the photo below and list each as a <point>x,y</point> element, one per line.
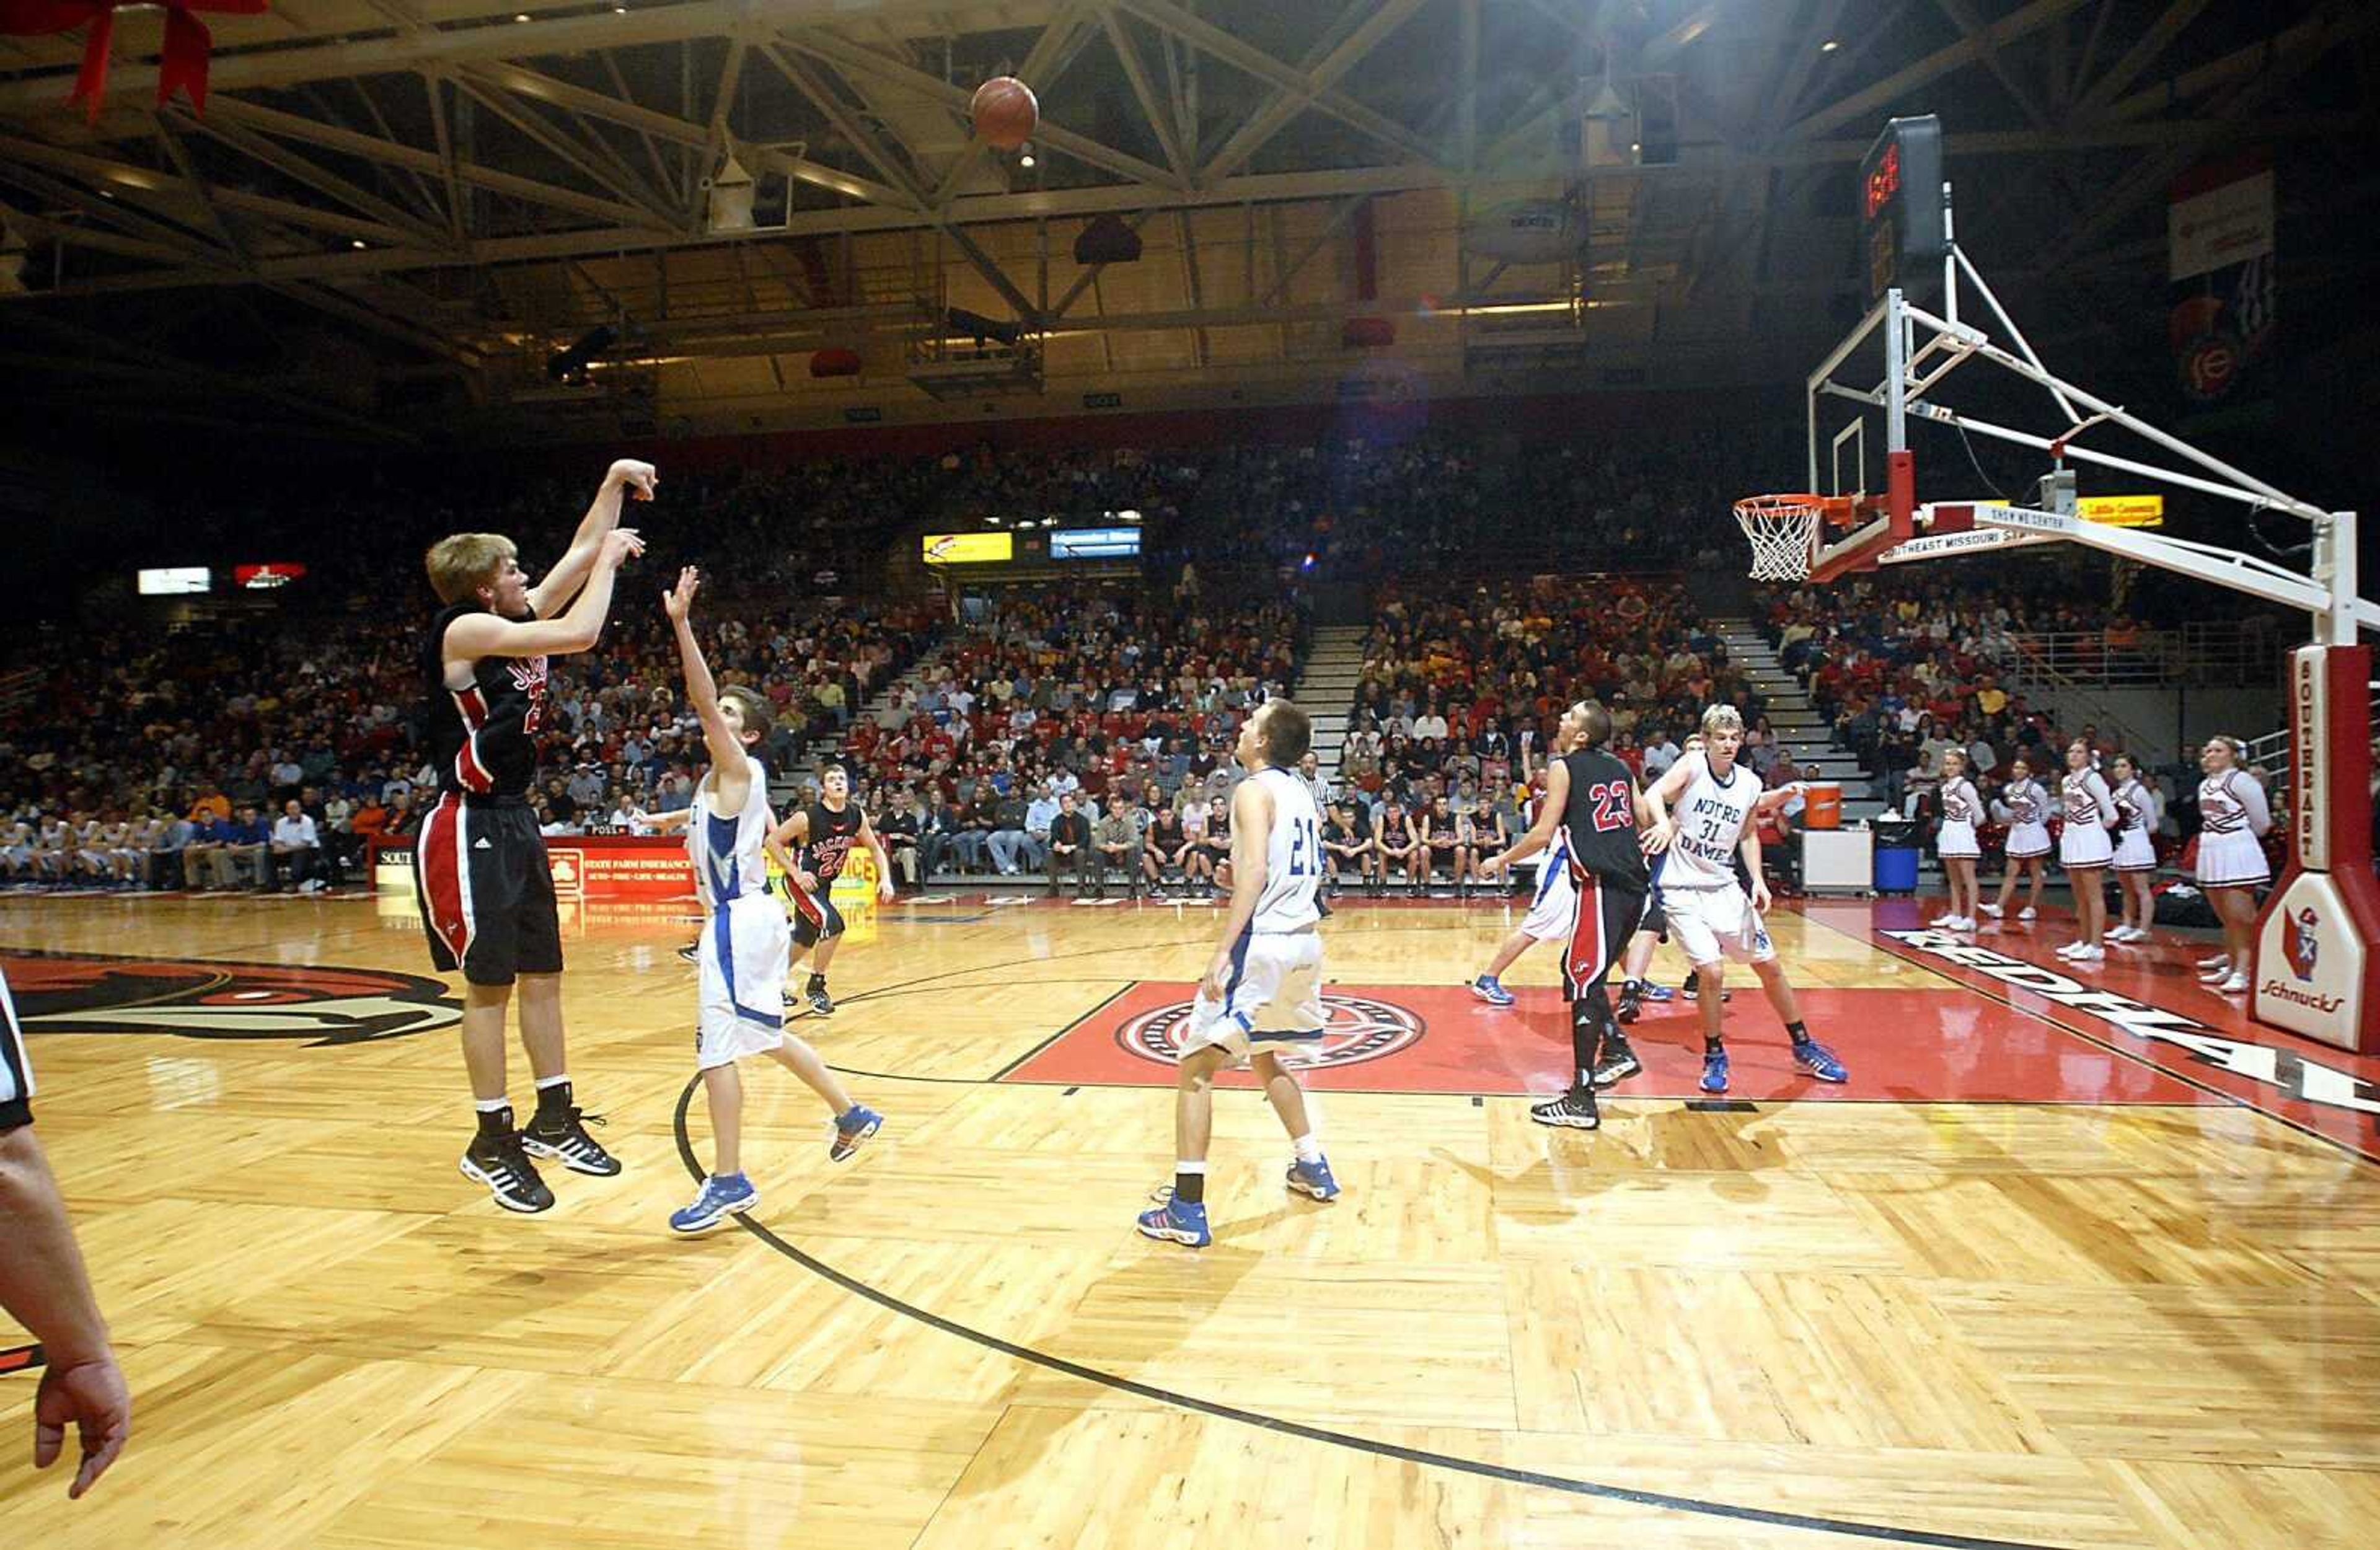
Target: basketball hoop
<point>1784,534</point>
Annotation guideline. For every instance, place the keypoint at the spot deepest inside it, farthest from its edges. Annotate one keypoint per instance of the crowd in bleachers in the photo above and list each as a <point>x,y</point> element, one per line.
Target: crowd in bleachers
<point>1446,748</point>
<point>138,754</point>
<point>1120,706</point>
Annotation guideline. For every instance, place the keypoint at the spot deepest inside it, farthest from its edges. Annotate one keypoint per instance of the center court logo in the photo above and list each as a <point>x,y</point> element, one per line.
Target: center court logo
<point>1355,1029</point>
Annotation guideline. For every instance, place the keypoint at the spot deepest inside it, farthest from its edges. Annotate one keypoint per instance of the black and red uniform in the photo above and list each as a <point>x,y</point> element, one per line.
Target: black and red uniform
<point>480,867</point>
<point>822,855</point>
<point>1606,862</point>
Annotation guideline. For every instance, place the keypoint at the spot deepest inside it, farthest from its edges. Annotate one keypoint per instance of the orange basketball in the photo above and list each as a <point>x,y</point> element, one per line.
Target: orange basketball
<point>1005,112</point>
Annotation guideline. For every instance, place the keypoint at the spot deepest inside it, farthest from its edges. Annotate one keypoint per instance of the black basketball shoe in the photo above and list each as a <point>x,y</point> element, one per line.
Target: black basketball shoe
<point>564,1137</point>
<point>1631,1002</point>
<point>1572,1110</point>
<point>499,1162</point>
<point>1616,1062</point>
<point>821,1002</point>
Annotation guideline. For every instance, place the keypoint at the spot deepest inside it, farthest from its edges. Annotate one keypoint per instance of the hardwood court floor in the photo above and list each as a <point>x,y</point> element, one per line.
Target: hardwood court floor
<point>2016,1285</point>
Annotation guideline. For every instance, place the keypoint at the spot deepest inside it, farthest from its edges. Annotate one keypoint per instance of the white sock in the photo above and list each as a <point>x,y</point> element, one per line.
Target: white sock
<point>1308,1150</point>
<point>545,1082</point>
<point>490,1106</point>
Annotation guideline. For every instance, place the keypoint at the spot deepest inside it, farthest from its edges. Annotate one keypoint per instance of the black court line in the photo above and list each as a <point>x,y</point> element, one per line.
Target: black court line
<point>1991,990</point>
<point>1767,1516</point>
<point>1108,1000</point>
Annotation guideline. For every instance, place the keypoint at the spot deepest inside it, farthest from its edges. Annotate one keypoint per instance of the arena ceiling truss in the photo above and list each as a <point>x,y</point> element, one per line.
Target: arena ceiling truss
<point>453,191</point>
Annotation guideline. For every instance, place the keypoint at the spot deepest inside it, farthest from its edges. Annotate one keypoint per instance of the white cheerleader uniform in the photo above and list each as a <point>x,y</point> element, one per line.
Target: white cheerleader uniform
<point>2089,811</point>
<point>2136,808</point>
<point>2232,815</point>
<point>1961,806</point>
<point>2025,808</point>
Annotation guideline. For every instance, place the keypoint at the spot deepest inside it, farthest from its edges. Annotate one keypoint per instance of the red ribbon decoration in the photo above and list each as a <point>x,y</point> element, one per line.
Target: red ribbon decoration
<point>181,66</point>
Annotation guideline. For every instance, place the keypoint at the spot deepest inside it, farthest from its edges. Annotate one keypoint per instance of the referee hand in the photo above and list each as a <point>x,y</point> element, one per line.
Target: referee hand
<point>90,1395</point>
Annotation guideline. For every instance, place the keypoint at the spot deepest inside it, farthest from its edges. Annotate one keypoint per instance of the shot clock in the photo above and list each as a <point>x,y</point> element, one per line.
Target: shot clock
<point>1901,229</point>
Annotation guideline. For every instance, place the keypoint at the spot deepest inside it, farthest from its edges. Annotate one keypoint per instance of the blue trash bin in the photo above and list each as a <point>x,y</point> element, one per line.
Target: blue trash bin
<point>1895,870</point>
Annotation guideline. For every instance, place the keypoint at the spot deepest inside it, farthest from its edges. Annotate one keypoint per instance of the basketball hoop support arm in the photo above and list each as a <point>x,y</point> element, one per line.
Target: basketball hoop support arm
<point>2328,594</point>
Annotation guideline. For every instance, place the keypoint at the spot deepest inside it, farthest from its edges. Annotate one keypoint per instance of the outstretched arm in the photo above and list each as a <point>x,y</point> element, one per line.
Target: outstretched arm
<point>570,572</point>
<point>1541,833</point>
<point>731,773</point>
<point>486,634</point>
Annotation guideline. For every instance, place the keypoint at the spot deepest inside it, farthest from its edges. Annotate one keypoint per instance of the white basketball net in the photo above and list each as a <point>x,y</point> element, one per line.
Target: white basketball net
<point>1784,534</point>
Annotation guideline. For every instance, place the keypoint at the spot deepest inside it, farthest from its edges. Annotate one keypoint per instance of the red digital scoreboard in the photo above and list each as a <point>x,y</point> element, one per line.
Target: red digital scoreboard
<point>1903,232</point>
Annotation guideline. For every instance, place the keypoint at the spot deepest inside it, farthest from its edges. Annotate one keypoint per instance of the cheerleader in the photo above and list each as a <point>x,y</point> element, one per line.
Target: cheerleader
<point>1955,843</point>
<point>2023,806</point>
<point>2084,851</point>
<point>2137,814</point>
<point>2233,818</point>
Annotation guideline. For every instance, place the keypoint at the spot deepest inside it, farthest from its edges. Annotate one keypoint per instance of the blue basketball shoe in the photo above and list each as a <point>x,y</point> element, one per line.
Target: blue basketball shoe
<point>1176,1221</point>
<point>1813,1059</point>
<point>1713,1070</point>
<point>1489,989</point>
<point>720,1199</point>
<point>1314,1179</point>
<point>852,1128</point>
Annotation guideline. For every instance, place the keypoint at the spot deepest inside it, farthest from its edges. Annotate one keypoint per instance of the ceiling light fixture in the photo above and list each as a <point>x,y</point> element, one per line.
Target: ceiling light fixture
<point>1828,46</point>
<point>1025,155</point>
<point>357,243</point>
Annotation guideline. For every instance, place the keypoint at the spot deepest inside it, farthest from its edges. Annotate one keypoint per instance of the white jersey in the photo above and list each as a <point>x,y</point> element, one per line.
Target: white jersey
<point>2086,801</point>
<point>1960,802</point>
<point>1710,817</point>
<point>2233,802</point>
<point>730,862</point>
<point>1293,857</point>
<point>2136,807</point>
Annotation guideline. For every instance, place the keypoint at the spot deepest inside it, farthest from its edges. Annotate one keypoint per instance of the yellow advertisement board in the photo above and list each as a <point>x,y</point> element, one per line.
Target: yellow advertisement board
<point>2122,510</point>
<point>970,548</point>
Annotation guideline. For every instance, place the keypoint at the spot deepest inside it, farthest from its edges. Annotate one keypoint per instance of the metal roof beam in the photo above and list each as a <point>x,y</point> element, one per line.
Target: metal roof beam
<point>2140,56</point>
<point>1169,18</point>
<point>290,125</point>
<point>299,169</point>
<point>1135,72</point>
<point>1862,105</point>
<point>844,55</point>
<point>1289,101</point>
<point>234,69</point>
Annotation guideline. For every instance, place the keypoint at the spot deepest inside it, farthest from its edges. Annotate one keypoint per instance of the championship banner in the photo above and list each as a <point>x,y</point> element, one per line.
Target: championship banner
<point>2219,241</point>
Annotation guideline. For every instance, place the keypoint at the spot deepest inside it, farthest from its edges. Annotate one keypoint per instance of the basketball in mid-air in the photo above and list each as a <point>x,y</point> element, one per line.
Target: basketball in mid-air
<point>1005,112</point>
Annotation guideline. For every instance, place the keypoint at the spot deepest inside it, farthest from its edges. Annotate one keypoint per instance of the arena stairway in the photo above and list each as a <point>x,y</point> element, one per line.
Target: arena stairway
<point>784,785</point>
<point>1326,687</point>
<point>1797,721</point>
